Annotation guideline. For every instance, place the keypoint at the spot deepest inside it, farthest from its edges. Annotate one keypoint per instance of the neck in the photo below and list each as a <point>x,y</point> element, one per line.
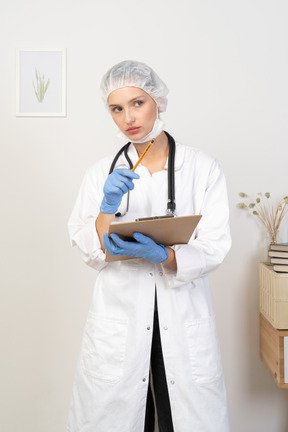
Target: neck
<point>156,157</point>
<point>159,147</point>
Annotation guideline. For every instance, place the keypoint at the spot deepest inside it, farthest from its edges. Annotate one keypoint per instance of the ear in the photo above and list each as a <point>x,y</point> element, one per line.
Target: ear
<point>158,111</point>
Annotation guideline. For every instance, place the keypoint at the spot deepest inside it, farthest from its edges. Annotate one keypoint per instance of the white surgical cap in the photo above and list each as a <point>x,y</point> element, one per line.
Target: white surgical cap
<point>131,73</point>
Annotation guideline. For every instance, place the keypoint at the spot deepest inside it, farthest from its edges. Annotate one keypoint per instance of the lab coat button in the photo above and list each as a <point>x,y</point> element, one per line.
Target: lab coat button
<point>172,382</point>
<point>165,328</point>
<point>150,274</point>
<point>161,273</point>
<point>148,328</point>
<point>144,379</point>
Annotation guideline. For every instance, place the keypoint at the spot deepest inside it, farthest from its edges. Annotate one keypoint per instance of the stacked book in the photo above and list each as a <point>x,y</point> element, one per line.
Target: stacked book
<point>278,254</point>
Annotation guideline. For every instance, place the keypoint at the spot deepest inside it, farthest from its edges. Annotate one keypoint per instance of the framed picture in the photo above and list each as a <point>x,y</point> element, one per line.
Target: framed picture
<point>41,83</point>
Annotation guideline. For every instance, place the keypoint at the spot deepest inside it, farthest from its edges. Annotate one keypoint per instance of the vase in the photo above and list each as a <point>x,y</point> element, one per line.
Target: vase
<point>270,239</point>
<point>273,236</point>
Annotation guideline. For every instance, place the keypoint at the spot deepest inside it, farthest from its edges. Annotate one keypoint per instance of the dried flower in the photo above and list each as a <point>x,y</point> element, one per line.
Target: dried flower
<point>270,216</point>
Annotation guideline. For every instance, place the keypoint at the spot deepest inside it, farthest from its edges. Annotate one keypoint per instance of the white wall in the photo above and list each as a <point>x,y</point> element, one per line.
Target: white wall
<point>226,65</point>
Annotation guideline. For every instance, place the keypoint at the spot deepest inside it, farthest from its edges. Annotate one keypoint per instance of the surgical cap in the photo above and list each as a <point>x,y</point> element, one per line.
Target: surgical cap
<point>130,73</point>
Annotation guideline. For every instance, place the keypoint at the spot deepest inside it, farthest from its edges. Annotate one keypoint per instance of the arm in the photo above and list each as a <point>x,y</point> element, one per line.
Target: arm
<point>93,212</point>
<point>206,251</point>
<point>171,260</point>
<point>81,224</point>
<point>118,183</point>
<point>102,225</point>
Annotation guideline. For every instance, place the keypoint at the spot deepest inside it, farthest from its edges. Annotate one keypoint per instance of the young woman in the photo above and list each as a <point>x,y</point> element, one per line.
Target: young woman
<point>151,322</point>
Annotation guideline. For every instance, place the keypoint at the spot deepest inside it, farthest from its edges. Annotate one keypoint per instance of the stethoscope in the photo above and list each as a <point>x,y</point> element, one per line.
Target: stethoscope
<point>171,206</point>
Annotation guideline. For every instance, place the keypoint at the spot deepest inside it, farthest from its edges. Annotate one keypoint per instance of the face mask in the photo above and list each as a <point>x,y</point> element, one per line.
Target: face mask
<point>155,132</point>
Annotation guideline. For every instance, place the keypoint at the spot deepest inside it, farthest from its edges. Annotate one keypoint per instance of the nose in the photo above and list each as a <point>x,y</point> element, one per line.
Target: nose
<point>129,116</point>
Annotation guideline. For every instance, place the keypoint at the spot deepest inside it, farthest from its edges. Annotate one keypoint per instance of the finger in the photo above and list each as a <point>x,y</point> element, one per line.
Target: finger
<point>116,184</point>
<point>141,238</point>
<point>126,185</point>
<point>107,242</point>
<point>122,183</point>
<point>113,189</point>
<point>119,186</point>
<point>127,173</point>
<point>110,246</point>
<point>119,242</point>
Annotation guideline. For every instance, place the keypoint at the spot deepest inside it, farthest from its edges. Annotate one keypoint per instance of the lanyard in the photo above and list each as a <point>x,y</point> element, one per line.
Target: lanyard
<point>171,206</point>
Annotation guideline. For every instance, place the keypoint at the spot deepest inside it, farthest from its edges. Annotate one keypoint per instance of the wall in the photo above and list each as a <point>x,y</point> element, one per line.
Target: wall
<point>226,65</point>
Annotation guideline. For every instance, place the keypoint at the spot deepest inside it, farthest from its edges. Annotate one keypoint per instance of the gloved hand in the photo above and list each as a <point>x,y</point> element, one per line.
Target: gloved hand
<point>117,184</point>
<point>144,247</point>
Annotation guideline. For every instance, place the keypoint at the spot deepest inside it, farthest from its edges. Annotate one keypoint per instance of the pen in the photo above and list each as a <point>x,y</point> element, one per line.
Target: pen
<point>143,154</point>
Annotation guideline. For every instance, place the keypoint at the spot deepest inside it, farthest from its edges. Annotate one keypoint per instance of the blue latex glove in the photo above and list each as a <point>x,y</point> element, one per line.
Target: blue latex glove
<point>144,247</point>
<point>117,184</point>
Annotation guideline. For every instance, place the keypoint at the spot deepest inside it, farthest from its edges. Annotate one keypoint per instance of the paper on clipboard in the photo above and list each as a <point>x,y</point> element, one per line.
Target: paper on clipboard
<point>168,231</point>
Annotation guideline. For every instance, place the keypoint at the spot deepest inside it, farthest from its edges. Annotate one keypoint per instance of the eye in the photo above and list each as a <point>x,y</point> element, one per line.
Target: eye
<point>138,103</point>
<point>116,109</point>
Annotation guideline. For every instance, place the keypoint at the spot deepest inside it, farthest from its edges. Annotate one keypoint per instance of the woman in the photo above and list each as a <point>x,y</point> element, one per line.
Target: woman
<point>151,321</point>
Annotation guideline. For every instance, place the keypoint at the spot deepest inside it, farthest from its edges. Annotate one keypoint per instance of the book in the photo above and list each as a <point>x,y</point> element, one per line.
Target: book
<point>280,268</point>
<point>279,261</point>
<point>277,254</point>
<point>168,231</point>
<point>279,247</point>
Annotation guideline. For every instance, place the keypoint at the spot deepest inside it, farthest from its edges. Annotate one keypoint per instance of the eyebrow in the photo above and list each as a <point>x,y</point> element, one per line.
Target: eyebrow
<point>132,100</point>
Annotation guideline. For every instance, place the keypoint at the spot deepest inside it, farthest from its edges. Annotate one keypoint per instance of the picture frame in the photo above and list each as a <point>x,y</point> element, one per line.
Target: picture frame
<point>41,82</point>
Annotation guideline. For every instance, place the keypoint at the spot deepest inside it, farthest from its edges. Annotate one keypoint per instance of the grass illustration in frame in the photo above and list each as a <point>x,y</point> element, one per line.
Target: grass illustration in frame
<point>41,83</point>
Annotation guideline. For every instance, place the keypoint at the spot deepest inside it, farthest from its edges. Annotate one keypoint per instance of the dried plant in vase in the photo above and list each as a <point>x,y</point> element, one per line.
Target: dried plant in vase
<point>271,216</point>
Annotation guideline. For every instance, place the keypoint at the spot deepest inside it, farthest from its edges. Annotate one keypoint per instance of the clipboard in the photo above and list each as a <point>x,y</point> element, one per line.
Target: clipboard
<point>168,231</point>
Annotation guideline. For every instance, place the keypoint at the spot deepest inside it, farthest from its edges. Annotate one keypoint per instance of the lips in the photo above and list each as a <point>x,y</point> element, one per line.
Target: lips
<point>133,130</point>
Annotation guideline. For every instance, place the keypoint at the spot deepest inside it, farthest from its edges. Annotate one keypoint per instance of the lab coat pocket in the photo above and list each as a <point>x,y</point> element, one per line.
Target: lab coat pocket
<point>104,347</point>
<point>204,350</point>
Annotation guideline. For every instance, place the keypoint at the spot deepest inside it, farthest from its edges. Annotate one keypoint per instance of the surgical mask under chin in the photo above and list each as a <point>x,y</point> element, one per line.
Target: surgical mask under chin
<point>155,132</point>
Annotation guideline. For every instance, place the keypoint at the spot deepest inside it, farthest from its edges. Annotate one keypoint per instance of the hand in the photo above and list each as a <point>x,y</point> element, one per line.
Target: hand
<point>144,247</point>
<point>117,184</point>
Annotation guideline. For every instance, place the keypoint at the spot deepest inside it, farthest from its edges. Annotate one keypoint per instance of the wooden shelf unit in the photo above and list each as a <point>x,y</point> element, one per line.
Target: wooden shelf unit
<point>273,289</point>
<point>272,350</point>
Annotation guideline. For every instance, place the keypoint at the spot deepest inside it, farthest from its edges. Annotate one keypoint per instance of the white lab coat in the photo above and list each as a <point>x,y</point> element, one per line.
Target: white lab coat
<point>110,387</point>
